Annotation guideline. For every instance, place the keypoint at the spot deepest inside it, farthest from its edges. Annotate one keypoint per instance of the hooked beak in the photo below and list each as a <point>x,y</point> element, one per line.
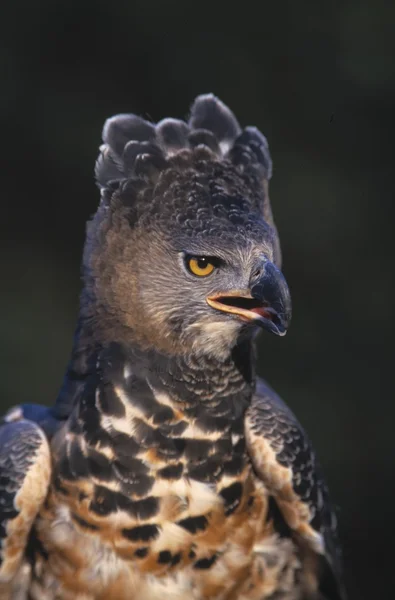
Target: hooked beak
<point>267,303</point>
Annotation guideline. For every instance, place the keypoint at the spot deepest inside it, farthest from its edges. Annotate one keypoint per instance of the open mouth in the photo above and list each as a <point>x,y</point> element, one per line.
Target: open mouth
<point>248,309</point>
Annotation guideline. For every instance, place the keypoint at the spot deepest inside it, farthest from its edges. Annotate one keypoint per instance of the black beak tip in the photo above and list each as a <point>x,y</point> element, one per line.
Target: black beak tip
<point>277,325</point>
<point>283,320</point>
<point>280,330</point>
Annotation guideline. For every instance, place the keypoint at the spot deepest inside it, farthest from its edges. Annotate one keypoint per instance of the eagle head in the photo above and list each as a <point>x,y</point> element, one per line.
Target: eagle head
<point>182,254</point>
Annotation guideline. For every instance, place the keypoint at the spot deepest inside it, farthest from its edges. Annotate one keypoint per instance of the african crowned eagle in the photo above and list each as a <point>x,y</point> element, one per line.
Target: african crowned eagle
<point>166,469</point>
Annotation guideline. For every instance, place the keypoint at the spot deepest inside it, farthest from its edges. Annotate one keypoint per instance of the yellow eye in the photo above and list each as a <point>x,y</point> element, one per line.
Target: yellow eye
<point>200,266</point>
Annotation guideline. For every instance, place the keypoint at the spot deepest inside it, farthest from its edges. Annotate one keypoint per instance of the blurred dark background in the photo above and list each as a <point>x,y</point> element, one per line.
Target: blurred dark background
<point>319,80</point>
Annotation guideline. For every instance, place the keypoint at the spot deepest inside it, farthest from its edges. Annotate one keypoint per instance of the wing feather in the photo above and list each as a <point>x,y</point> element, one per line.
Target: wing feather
<point>283,458</point>
<point>25,469</point>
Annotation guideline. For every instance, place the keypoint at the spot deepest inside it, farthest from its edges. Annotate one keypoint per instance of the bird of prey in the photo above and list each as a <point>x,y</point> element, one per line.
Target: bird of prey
<point>167,469</point>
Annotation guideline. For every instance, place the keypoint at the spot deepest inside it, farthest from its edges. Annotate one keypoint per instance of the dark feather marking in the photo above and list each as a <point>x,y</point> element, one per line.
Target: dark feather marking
<point>99,465</point>
<point>4,518</point>
<point>35,546</point>
<point>106,501</point>
<point>239,448</point>
<point>209,422</point>
<point>63,469</point>
<point>134,466</point>
<point>235,465</point>
<point>133,477</point>
<point>176,559</point>
<point>7,510</point>
<point>143,533</point>
<point>223,446</point>
<point>173,430</point>
<point>163,415</point>
<point>109,402</point>
<point>197,450</point>
<point>122,444</point>
<point>175,450</point>
<point>77,460</point>
<point>139,509</point>
<point>194,524</point>
<point>59,487</point>
<point>164,557</point>
<point>149,437</point>
<point>90,418</point>
<point>103,502</point>
<point>232,495</point>
<point>171,472</point>
<point>205,563</point>
<point>209,471</point>
<point>274,514</point>
<point>142,397</point>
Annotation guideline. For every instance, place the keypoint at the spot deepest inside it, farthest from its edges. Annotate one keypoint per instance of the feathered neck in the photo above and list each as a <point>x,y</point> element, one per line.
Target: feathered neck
<point>202,385</point>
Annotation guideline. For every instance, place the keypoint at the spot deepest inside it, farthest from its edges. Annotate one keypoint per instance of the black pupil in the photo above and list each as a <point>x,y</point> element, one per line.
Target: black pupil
<point>202,263</point>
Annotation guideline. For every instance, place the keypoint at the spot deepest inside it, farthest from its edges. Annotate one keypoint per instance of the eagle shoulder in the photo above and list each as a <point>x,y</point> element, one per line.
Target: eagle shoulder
<point>283,458</point>
<point>25,470</point>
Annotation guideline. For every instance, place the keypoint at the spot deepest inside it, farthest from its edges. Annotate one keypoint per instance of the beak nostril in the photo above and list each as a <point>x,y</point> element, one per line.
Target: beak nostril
<point>256,273</point>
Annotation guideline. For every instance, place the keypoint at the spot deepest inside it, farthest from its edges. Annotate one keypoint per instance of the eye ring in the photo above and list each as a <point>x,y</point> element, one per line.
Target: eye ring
<point>200,266</point>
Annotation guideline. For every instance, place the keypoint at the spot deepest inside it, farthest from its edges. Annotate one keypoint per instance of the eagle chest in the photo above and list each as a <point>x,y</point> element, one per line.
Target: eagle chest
<point>149,495</point>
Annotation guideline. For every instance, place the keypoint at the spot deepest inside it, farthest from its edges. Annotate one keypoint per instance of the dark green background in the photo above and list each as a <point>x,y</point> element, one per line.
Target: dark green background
<point>319,80</point>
